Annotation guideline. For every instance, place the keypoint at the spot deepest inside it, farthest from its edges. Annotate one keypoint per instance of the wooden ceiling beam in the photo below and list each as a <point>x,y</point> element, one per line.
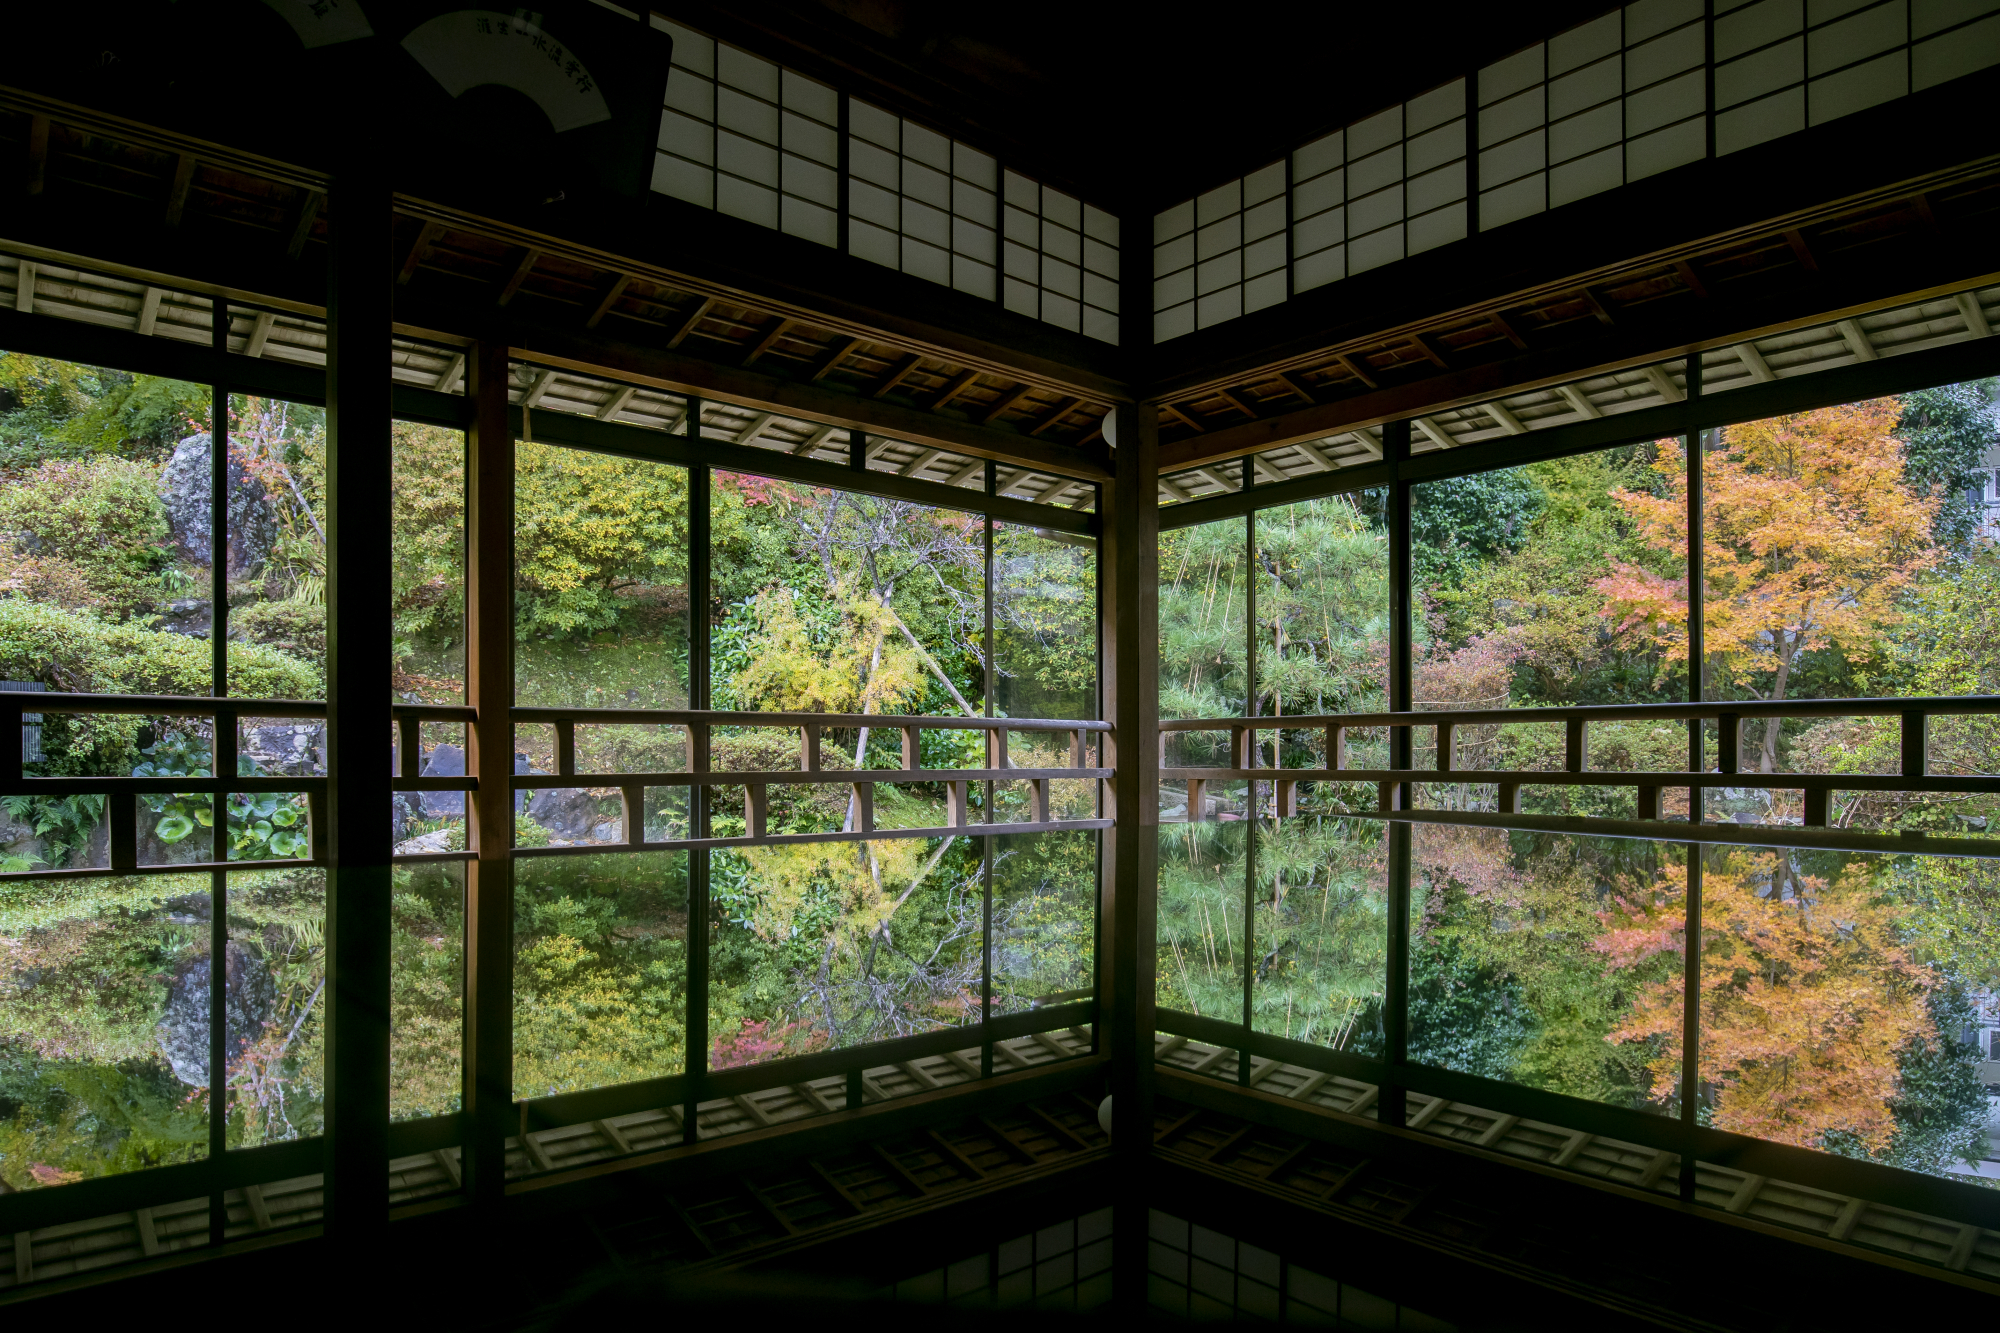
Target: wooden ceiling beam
<point>1507,330</point>
<point>1357,368</point>
<point>779,328</point>
<point>1801,251</point>
<point>419,249</point>
<point>1293,383</point>
<point>1061,410</point>
<point>1008,402</point>
<point>958,385</point>
<point>890,382</point>
<point>302,222</point>
<point>524,264</point>
<point>694,316</point>
<point>1691,277</point>
<point>178,188</point>
<point>38,155</point>
<point>1241,404</point>
<point>612,291</point>
<point>836,352</point>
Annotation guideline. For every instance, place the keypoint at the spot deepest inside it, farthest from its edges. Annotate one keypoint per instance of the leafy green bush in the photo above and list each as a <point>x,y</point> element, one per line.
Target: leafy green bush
<point>100,518</point>
<point>295,628</point>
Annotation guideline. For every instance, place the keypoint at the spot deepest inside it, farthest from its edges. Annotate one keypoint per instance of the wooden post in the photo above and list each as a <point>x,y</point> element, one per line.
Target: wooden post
<point>1649,802</point>
<point>996,748</point>
<point>1510,798</point>
<point>565,747</point>
<point>809,748</point>
<point>1574,743</point>
<point>756,810</point>
<point>1336,748</point>
<point>1287,797</point>
<point>1816,807</point>
<point>1444,738</point>
<point>1196,790</point>
<point>1242,740</point>
<point>360,286</point>
<point>956,813</point>
<point>913,754</point>
<point>1129,626</point>
<point>864,807</point>
<point>1728,742</point>
<point>489,890</point>
<point>1916,744</point>
<point>410,747</point>
<point>632,815</point>
<point>1077,753</point>
<point>1038,800</point>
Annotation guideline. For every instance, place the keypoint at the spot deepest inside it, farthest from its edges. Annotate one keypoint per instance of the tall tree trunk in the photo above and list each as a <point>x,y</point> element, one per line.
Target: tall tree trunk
<point>861,746</point>
<point>1769,762</point>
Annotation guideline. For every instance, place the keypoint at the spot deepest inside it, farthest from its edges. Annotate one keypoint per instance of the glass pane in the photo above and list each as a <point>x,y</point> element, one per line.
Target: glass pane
<point>1846,1003</point>
<point>1044,919</point>
<point>1044,626</point>
<point>276,1005</point>
<point>1549,961</point>
<point>1202,636</point>
<point>824,946</point>
<point>600,580</point>
<point>1201,927</point>
<point>1322,930</point>
<point>841,603</point>
<point>1557,583</point>
<point>103,1026</point>
<point>426,990</point>
<point>277,548</point>
<point>1323,634</point>
<point>427,563</point>
<point>107,563</point>
<point>1849,553</point>
<point>600,970</point>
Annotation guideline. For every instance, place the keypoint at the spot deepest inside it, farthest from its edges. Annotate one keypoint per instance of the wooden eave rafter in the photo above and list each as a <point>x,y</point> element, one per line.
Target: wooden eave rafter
<point>1864,257</point>
<point>461,276</point>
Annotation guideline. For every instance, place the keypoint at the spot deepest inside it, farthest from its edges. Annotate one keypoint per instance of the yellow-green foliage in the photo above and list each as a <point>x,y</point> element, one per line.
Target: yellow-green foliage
<point>841,674</point>
<point>93,526</point>
<point>593,533</point>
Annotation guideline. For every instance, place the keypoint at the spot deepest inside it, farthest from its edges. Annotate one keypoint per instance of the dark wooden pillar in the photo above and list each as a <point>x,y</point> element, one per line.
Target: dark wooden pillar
<point>489,885</point>
<point>1131,636</point>
<point>359,286</point>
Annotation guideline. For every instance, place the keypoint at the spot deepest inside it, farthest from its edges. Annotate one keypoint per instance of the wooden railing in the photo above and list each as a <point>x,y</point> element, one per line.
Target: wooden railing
<point>1913,774</point>
<point>811,728</point>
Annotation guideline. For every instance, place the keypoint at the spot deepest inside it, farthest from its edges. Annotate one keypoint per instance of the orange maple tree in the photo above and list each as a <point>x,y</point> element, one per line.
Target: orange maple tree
<point>1810,532</point>
<point>1807,995</point>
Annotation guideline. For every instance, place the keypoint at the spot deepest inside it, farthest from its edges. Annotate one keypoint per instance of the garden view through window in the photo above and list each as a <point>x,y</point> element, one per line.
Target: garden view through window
<point>1847,999</point>
<point>817,601</point>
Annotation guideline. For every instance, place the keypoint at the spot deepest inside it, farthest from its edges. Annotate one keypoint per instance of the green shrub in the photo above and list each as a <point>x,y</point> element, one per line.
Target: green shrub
<point>293,628</point>
<point>100,517</point>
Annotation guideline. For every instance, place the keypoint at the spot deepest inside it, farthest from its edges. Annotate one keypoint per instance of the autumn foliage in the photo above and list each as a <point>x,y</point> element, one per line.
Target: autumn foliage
<point>1808,993</point>
<point>1809,536</point>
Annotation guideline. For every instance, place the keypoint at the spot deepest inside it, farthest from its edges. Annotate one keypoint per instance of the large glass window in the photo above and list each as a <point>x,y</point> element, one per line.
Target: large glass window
<point>1521,579</point>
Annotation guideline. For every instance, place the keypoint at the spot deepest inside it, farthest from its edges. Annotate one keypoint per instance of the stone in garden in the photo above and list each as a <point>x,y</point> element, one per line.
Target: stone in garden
<point>251,997</point>
<point>184,492</point>
<point>567,812</point>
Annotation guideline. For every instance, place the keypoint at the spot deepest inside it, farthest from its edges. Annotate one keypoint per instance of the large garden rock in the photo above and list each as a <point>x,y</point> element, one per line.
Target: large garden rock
<point>566,812</point>
<point>252,997</point>
<point>184,492</point>
<point>448,761</point>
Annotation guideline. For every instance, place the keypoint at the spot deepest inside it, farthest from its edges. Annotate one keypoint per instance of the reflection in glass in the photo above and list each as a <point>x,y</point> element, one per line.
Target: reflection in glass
<point>276,981</point>
<point>1044,919</point>
<point>600,970</point>
<point>427,990</point>
<point>823,946</point>
<point>1838,994</point>
<point>1200,932</point>
<point>1322,922</point>
<point>103,1026</point>
<point>1545,960</point>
